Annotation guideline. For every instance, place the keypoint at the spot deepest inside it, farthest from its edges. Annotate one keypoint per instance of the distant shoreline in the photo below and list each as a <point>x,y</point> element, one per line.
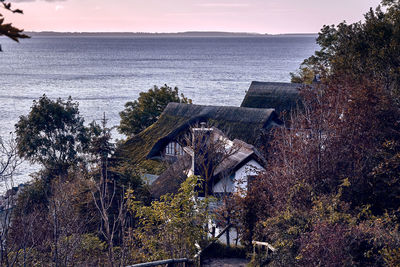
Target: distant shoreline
<point>177,34</point>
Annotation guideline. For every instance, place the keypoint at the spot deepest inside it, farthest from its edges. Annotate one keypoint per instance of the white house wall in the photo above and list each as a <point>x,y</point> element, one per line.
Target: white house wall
<point>252,168</point>
<point>239,179</point>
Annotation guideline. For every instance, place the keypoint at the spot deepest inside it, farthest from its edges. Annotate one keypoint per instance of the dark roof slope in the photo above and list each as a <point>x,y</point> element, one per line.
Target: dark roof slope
<point>226,113</point>
<point>280,96</point>
<point>171,179</point>
<point>238,123</point>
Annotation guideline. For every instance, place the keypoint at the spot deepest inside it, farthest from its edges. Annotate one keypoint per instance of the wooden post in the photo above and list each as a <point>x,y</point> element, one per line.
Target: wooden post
<point>228,238</point>
<point>262,244</point>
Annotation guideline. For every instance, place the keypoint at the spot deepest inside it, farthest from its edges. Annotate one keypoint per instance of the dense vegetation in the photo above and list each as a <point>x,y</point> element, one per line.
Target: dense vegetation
<point>330,196</point>
<point>85,207</point>
<point>363,49</point>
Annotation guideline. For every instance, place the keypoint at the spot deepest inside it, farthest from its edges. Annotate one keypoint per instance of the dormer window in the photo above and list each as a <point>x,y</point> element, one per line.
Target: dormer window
<point>174,149</point>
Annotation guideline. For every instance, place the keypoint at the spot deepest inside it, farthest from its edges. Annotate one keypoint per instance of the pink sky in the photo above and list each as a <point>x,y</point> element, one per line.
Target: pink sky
<point>262,16</point>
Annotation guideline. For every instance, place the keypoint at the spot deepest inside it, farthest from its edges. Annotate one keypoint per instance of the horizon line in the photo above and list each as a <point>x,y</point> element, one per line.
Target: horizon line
<point>178,32</point>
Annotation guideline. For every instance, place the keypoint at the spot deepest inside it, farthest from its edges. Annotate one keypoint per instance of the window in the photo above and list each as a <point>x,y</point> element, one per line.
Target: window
<point>170,149</point>
<point>174,149</point>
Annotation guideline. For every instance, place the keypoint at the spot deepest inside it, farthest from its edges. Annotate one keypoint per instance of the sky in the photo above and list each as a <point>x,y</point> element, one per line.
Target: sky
<point>258,16</point>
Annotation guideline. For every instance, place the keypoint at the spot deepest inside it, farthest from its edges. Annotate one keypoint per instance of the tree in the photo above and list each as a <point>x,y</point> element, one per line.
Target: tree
<point>60,230</point>
<point>70,212</point>
<point>110,201</point>
<point>100,146</point>
<point>172,226</point>
<point>369,49</point>
<point>7,29</point>
<point>52,134</point>
<point>141,113</point>
<point>336,168</point>
<point>211,147</point>
<point>30,227</point>
<point>9,161</point>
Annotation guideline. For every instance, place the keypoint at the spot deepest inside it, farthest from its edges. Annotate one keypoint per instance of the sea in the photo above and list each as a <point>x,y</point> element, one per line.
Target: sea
<point>102,73</point>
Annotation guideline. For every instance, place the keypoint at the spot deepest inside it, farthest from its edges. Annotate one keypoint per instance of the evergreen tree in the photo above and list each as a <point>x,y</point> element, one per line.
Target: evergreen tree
<point>52,134</point>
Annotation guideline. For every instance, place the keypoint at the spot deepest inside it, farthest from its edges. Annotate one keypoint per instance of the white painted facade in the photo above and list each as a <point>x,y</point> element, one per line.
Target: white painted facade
<point>238,180</point>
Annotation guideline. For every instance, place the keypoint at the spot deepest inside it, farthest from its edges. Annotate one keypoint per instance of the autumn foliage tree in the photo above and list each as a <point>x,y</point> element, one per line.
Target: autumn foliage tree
<point>172,226</point>
<point>333,180</point>
<point>323,174</point>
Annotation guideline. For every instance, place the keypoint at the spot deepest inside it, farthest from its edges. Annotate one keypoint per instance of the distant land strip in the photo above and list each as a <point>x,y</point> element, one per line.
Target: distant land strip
<point>173,34</point>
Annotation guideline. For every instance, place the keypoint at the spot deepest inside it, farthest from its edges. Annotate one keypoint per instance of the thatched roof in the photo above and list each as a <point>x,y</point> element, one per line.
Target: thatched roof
<point>279,96</point>
<point>238,123</point>
<point>170,180</point>
<point>241,156</point>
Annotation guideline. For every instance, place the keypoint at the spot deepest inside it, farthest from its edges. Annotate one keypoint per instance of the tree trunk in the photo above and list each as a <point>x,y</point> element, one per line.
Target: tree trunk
<point>55,233</point>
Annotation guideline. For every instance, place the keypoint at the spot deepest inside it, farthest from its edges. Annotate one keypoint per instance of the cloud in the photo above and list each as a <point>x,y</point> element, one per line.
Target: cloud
<point>223,5</point>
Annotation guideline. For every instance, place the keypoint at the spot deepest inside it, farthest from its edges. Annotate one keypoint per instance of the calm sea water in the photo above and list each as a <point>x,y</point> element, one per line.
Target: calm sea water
<point>102,73</point>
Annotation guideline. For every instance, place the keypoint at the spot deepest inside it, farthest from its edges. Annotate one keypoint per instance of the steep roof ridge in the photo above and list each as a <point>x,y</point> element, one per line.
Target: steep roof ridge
<point>274,83</point>
<point>277,95</point>
<point>243,114</point>
<point>263,87</point>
